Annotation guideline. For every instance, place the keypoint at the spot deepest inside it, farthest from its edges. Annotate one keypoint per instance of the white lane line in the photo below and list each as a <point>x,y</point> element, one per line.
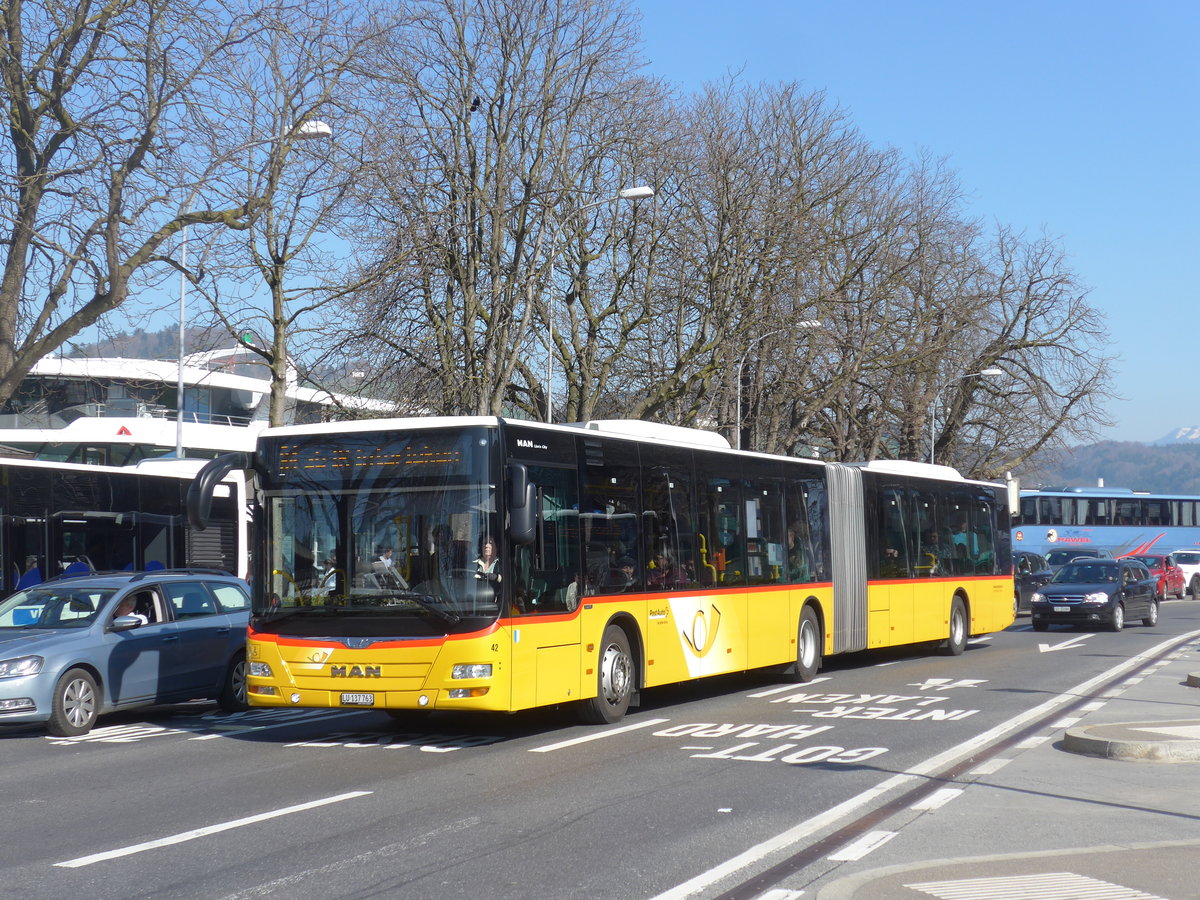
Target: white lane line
<point>1035,741</point>
<point>562,745</point>
<point>789,687</point>
<point>991,767</point>
<point>1050,886</point>
<point>185,836</point>
<point>802,830</point>
<point>872,840</point>
<point>232,729</point>
<point>937,799</point>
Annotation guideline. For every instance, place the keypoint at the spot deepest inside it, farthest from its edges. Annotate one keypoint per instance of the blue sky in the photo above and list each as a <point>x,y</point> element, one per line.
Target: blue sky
<point>1077,119</point>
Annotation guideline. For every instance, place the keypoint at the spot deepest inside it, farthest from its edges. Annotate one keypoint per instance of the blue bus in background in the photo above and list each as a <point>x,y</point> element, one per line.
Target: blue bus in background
<point>1120,520</point>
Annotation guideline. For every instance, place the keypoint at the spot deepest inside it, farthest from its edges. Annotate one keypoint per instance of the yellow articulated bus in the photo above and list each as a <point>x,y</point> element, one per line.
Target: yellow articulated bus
<point>492,564</point>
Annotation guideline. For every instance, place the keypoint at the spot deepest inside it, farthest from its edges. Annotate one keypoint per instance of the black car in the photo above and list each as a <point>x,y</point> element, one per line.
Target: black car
<point>1030,572</point>
<point>1096,592</point>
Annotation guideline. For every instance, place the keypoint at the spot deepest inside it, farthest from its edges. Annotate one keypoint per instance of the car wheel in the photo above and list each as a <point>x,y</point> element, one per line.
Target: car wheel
<point>614,679</point>
<point>1117,622</point>
<point>956,643</point>
<point>1151,617</point>
<point>233,691</point>
<point>1194,587</point>
<point>1182,592</point>
<point>75,705</point>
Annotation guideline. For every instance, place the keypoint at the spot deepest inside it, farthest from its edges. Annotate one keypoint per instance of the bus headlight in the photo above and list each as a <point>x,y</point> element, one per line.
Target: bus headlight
<point>477,670</point>
<point>23,665</point>
<point>260,670</point>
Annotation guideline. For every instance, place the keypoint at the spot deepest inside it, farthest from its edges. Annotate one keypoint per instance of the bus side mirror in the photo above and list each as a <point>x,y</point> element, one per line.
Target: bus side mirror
<point>522,506</point>
<point>200,493</point>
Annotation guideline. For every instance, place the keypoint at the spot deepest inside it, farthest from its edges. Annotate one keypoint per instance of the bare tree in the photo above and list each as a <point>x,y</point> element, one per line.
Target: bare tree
<point>492,103</point>
<point>305,64</point>
<point>95,181</point>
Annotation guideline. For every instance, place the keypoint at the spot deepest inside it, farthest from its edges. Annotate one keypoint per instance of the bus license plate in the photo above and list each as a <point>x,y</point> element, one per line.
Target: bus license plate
<point>1062,609</point>
<point>358,699</point>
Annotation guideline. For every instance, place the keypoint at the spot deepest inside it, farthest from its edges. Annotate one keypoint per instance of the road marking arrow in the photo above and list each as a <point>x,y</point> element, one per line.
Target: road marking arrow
<point>1069,644</point>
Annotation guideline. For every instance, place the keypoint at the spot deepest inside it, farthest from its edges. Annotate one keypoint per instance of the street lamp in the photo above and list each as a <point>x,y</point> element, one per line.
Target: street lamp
<point>309,130</point>
<point>988,373</point>
<point>737,418</point>
<point>642,192</point>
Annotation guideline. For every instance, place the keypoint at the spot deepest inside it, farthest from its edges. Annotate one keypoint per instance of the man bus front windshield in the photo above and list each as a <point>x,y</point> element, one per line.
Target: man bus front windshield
<point>379,534</point>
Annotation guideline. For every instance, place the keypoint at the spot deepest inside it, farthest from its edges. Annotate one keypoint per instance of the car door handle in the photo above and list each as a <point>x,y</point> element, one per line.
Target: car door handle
<point>224,630</point>
<point>170,637</point>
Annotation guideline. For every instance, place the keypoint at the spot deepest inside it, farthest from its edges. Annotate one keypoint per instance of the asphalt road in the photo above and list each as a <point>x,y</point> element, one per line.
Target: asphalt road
<point>723,788</point>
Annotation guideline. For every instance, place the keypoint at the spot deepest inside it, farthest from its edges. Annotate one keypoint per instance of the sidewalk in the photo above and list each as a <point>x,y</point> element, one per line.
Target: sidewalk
<point>1104,807</point>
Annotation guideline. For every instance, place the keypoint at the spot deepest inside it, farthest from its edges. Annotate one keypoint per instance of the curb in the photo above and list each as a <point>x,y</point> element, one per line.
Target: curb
<point>1171,740</point>
<point>1193,679</point>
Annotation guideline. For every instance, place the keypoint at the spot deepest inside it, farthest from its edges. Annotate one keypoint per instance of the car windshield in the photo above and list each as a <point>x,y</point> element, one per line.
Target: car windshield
<point>1188,559</point>
<point>1062,557</point>
<point>1086,573</point>
<point>53,607</point>
<point>1154,562</point>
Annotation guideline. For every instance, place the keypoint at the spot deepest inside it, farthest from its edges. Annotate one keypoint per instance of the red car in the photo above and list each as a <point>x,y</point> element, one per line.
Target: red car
<point>1162,567</point>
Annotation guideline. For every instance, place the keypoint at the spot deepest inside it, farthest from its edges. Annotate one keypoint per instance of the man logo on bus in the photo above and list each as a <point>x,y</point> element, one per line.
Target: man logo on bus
<point>703,637</point>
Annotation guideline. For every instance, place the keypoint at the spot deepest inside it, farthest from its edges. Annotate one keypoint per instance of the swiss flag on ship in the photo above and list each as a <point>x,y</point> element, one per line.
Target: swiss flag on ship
<point>124,432</point>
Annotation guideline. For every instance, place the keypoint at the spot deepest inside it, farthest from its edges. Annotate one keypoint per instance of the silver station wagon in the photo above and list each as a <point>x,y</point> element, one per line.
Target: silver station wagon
<point>74,648</point>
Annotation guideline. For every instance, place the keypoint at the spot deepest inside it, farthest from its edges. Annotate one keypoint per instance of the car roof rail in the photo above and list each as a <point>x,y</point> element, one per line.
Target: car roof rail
<point>154,573</point>
<point>90,573</point>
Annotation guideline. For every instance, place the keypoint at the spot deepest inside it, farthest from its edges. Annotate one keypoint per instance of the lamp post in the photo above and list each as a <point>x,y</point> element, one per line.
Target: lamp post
<point>310,129</point>
<point>988,373</point>
<point>642,192</point>
<point>737,418</point>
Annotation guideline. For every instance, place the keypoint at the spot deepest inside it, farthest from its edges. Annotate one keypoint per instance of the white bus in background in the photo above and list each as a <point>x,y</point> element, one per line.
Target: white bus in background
<point>58,518</point>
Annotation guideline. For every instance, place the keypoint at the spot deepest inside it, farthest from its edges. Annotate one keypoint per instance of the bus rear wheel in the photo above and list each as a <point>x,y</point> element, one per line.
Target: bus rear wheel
<point>808,646</point>
<point>614,680</point>
<point>956,643</point>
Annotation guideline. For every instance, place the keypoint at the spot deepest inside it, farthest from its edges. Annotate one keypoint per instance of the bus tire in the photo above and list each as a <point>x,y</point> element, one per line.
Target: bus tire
<point>233,688</point>
<point>808,646</point>
<point>75,705</point>
<point>614,679</point>
<point>956,642</point>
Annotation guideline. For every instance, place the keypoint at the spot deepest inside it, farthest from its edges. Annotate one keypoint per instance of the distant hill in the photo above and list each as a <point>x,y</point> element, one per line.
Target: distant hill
<point>152,344</point>
<point>1172,467</point>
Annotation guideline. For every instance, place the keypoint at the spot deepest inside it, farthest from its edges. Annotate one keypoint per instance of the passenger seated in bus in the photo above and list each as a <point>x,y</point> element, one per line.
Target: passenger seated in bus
<point>663,572</point>
<point>797,559</point>
<point>385,570</point>
<point>620,575</point>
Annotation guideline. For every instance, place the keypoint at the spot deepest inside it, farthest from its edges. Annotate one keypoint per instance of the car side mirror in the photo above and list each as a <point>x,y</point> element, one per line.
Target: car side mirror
<point>126,623</point>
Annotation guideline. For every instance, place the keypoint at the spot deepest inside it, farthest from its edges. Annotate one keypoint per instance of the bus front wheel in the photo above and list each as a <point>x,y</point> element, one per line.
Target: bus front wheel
<point>614,679</point>
<point>956,643</point>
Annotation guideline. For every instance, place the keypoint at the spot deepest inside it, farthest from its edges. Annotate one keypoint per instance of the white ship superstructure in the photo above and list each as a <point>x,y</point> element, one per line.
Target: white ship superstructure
<point>117,411</point>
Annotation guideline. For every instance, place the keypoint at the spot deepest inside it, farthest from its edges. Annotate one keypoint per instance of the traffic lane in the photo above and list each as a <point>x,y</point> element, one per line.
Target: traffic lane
<point>694,810</point>
<point>552,794</point>
<point>663,819</point>
<point>543,806</point>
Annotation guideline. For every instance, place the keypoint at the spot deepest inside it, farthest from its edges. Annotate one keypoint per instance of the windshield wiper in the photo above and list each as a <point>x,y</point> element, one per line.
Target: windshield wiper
<point>431,604</point>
